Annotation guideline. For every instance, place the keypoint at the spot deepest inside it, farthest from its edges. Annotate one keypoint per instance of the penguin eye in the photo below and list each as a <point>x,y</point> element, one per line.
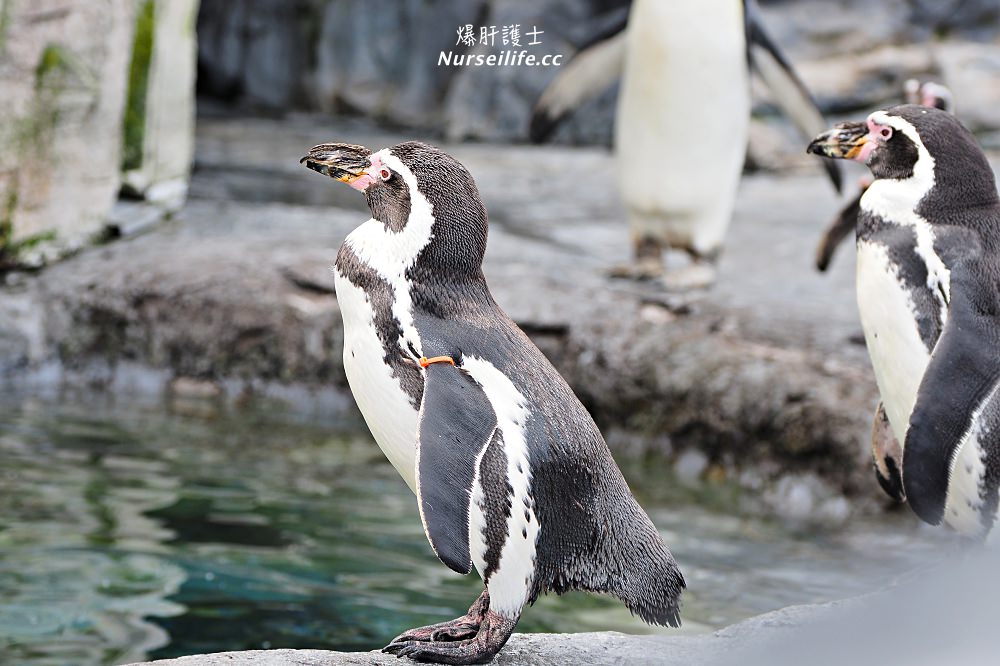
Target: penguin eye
<point>886,132</point>
<point>384,173</point>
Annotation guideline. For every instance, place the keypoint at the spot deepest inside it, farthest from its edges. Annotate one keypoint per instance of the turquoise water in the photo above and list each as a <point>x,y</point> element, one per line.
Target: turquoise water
<point>133,529</point>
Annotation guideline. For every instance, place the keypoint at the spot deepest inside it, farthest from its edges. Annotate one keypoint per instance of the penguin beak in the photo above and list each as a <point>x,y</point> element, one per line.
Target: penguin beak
<point>844,141</point>
<point>345,162</point>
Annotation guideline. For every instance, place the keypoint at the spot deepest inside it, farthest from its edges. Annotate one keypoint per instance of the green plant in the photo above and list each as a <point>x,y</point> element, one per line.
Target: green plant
<point>134,126</point>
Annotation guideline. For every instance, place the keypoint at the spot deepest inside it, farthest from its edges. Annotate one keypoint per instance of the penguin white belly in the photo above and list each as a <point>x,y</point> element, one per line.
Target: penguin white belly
<point>683,119</point>
<point>383,403</point>
<point>899,357</point>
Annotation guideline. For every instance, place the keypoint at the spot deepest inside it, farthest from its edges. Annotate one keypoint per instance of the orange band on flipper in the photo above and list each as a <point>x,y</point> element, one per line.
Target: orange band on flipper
<point>424,361</point>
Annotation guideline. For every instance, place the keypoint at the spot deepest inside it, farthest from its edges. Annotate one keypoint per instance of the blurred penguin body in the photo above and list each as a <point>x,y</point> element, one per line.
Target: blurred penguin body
<point>682,122</point>
<point>680,161</point>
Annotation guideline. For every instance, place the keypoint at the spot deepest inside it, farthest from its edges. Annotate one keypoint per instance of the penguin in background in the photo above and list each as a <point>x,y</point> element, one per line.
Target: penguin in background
<point>682,122</point>
<point>927,93</point>
<point>928,290</point>
<point>511,474</point>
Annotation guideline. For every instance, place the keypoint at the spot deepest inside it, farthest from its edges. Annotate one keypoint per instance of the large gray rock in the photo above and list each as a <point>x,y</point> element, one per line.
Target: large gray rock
<point>63,75</point>
<point>597,649</point>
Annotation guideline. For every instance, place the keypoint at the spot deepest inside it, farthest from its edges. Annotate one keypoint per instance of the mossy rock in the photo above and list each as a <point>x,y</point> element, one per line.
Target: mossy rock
<point>134,125</point>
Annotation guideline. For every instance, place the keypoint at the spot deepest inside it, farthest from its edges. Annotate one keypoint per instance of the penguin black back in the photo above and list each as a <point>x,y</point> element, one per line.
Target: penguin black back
<point>573,473</point>
<point>964,192</point>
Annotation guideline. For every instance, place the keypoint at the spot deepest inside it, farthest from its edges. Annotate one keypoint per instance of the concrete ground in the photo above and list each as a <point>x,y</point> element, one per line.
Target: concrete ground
<point>762,380</point>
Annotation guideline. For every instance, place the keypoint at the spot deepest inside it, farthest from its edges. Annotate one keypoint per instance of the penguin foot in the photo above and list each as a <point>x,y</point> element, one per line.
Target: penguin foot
<point>641,270</point>
<point>458,629</point>
<point>453,630</point>
<point>494,631</point>
<point>696,275</point>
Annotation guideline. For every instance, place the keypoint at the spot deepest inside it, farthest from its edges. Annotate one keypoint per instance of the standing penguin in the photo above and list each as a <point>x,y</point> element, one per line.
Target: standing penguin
<point>928,288</point>
<point>682,122</point>
<point>511,474</point>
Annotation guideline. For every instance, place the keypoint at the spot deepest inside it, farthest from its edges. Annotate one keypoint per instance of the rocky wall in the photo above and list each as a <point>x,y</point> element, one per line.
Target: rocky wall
<point>338,56</point>
<point>62,73</point>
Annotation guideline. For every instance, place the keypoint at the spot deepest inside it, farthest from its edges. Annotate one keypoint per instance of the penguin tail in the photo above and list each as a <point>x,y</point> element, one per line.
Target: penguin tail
<point>649,583</point>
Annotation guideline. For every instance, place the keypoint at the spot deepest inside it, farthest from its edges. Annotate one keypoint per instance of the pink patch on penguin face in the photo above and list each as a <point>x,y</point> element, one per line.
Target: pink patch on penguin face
<point>361,183</point>
<point>366,179</point>
<point>866,151</point>
<point>877,135</point>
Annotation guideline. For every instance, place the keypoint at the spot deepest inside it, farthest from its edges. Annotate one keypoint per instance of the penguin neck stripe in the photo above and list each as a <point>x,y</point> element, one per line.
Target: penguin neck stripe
<point>424,361</point>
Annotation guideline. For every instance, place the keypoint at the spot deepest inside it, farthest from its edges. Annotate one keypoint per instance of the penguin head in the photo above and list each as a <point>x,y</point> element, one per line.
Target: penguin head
<point>886,141</point>
<point>929,93</point>
<point>412,186</point>
<point>913,142</point>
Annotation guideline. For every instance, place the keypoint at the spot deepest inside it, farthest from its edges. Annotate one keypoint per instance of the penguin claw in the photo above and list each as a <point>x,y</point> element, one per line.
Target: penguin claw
<point>455,630</point>
<point>396,647</point>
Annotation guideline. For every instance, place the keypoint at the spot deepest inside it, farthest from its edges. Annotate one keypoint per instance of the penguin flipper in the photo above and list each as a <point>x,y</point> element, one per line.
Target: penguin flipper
<point>787,89</point>
<point>456,422</point>
<point>887,456</point>
<point>591,72</point>
<point>843,225</point>
<point>952,447</point>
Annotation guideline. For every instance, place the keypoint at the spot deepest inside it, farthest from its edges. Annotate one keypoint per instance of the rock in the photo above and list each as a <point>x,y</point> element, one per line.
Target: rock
<point>188,387</point>
<point>490,103</point>
<point>365,63</point>
<point>973,18</point>
<point>940,614</point>
<point>257,51</point>
<point>776,146</point>
<point>62,72</point>
<point>814,29</point>
<point>128,218</point>
<point>820,29</point>
<point>806,499</point>
<point>865,80</point>
<point>341,57</point>
<point>971,71</point>
<point>690,465</point>
<point>598,649</point>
